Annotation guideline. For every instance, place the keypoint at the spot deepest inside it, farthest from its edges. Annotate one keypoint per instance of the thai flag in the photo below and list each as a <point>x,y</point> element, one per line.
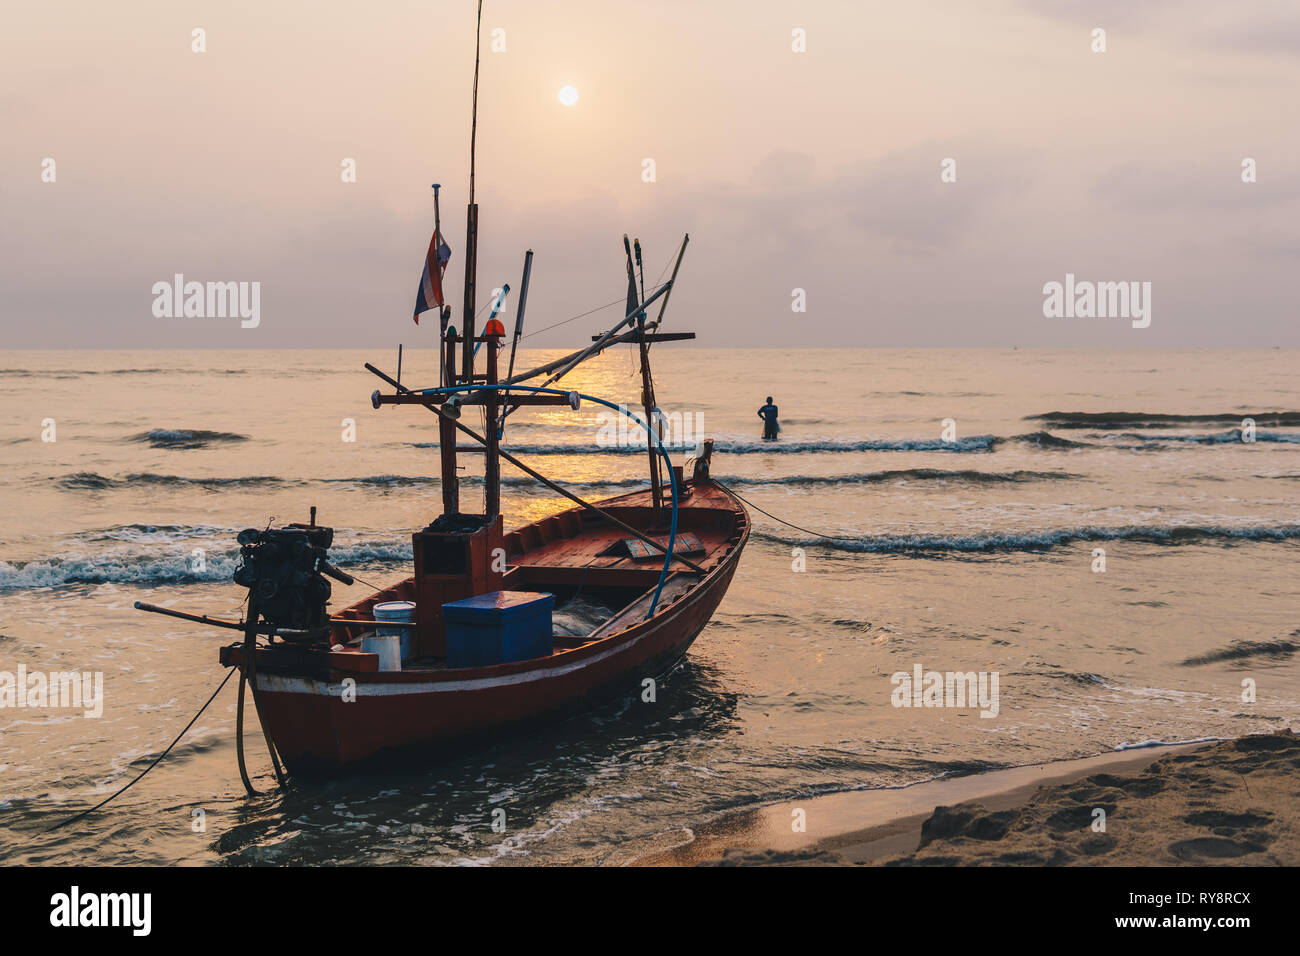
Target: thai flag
<point>429,295</point>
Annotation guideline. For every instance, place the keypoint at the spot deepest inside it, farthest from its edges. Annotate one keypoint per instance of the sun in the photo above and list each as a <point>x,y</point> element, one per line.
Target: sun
<point>568,95</point>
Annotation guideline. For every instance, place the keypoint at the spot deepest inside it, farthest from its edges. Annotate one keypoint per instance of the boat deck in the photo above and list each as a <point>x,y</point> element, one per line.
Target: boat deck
<point>568,554</point>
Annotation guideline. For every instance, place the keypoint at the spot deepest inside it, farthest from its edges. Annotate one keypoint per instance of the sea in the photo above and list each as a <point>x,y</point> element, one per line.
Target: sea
<point>1112,537</point>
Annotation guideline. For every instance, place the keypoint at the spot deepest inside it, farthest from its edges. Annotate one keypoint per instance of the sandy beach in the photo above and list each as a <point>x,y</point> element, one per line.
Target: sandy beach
<point>1229,802</point>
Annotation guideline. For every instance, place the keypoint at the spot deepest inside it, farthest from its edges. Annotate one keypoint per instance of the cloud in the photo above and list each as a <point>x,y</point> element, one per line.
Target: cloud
<point>1262,26</point>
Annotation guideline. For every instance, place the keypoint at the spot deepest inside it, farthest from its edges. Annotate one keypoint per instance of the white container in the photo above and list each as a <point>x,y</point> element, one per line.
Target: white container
<point>387,646</point>
<point>397,611</point>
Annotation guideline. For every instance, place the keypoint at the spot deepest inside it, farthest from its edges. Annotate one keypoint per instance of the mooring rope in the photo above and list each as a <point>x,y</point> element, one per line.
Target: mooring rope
<point>815,534</point>
<point>155,763</point>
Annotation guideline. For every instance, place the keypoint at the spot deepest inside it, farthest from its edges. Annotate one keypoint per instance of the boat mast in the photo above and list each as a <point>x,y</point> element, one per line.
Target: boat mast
<point>447,427</point>
<point>471,225</point>
<point>647,381</point>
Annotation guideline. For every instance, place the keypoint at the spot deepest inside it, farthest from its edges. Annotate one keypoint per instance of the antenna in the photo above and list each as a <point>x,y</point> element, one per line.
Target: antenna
<point>471,222</point>
<point>473,126</point>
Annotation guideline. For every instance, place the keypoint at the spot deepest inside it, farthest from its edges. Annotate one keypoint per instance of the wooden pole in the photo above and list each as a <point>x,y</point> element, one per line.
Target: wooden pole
<point>519,328</point>
<point>491,462</point>
<point>471,274</point>
<point>648,402</point>
<point>471,220</point>
<point>447,443</point>
<point>248,660</point>
<point>267,629</point>
<point>672,280</point>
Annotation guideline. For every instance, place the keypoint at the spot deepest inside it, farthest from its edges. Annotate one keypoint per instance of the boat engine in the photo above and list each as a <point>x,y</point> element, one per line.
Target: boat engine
<point>284,570</point>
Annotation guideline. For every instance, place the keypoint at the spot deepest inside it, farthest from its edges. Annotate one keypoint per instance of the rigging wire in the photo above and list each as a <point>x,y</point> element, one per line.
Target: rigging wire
<point>599,308</point>
<point>155,763</point>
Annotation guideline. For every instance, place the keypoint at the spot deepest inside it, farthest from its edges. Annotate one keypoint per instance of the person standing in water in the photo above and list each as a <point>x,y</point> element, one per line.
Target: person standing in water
<point>770,424</point>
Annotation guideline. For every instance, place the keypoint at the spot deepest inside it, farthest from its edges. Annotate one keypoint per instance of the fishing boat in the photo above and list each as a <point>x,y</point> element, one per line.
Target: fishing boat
<point>493,632</point>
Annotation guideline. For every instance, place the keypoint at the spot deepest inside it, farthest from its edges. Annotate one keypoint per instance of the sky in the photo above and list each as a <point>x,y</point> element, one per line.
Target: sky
<point>817,170</point>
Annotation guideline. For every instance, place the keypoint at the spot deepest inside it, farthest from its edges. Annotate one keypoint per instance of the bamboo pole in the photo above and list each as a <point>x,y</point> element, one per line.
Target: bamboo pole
<point>262,629</point>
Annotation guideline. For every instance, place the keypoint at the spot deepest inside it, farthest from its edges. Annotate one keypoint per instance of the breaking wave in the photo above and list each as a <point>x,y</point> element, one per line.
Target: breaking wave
<point>1046,440</point>
<point>92,481</point>
<point>965,476</point>
<point>1033,540</point>
<point>127,566</point>
<point>1042,440</point>
<point>1105,420</point>
<point>70,372</point>
<point>1232,437</point>
<point>186,438</point>
<point>1248,650</point>
<point>980,443</point>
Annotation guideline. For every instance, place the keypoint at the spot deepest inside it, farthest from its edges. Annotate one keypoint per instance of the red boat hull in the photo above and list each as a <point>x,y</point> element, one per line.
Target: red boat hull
<point>327,724</point>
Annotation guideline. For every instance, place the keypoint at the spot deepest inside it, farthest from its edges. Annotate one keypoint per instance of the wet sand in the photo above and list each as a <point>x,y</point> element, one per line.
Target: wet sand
<point>1234,802</point>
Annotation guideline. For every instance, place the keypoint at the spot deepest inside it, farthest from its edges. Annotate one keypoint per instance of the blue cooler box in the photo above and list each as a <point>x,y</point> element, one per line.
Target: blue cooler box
<point>497,627</point>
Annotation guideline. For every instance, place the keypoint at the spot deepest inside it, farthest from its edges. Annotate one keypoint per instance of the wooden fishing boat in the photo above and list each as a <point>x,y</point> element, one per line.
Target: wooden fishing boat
<point>430,709</point>
<point>615,591</point>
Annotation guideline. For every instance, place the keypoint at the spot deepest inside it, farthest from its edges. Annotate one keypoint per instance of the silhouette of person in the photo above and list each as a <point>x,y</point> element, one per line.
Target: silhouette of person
<point>770,424</point>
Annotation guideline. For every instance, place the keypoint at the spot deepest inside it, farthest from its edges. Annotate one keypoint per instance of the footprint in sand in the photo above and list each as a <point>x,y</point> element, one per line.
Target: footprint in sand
<point>1211,848</point>
<point>1229,821</point>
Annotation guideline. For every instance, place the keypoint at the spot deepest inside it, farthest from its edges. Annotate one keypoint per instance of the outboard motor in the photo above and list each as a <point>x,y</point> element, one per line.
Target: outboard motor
<point>284,570</point>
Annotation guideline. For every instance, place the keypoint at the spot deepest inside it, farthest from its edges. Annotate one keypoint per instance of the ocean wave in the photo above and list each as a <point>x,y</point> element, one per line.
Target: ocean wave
<point>1105,420</point>
<point>1034,540</point>
<point>134,567</point>
<point>1248,650</point>
<point>390,481</point>
<point>507,481</point>
<point>864,478</point>
<point>186,438</point>
<point>85,481</point>
<point>73,372</point>
<point>1045,440</point>
<point>160,533</point>
<point>1148,744</point>
<point>93,481</point>
<point>1232,437</point>
<point>965,476</point>
<point>979,443</point>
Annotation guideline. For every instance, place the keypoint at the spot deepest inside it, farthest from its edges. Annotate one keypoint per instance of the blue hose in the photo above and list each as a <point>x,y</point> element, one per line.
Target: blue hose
<point>672,478</point>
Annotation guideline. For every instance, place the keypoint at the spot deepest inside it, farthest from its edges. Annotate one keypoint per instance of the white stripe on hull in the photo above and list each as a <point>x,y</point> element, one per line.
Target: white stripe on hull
<point>283,684</point>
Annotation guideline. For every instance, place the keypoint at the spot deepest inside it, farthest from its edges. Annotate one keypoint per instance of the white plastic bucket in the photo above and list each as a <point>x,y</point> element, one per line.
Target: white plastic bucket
<point>387,646</point>
<point>397,611</point>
